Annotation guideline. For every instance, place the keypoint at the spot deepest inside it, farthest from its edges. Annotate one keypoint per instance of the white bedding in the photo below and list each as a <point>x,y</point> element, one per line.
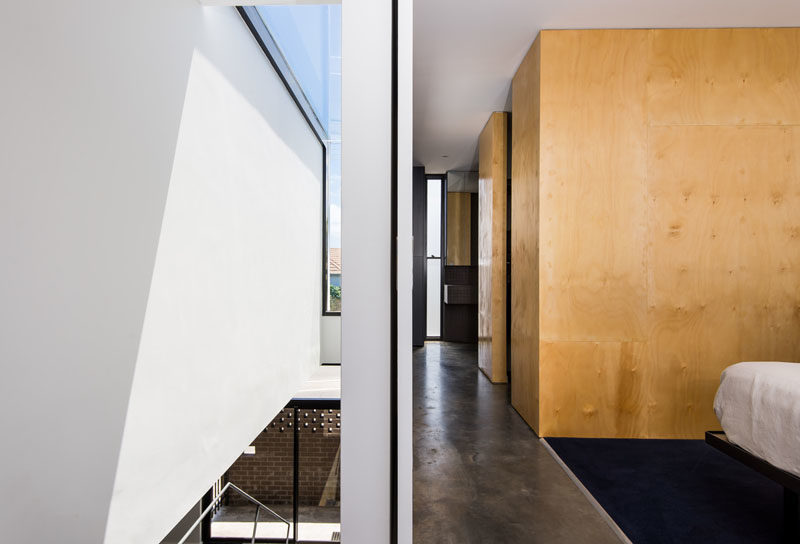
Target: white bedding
<point>758,405</point>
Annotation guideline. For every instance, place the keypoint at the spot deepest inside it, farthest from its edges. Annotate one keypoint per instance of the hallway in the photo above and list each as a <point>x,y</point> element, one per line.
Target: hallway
<point>480,473</point>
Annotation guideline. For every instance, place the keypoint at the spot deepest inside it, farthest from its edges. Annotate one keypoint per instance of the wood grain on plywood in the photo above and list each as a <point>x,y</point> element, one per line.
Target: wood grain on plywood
<point>667,247</point>
<point>525,237</point>
<point>458,229</point>
<point>592,388</point>
<point>492,184</point>
<point>592,185</point>
<point>722,201</point>
<point>742,76</point>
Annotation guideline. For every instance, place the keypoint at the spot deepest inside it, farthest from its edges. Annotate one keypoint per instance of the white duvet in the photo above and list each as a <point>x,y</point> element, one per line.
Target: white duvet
<point>758,405</point>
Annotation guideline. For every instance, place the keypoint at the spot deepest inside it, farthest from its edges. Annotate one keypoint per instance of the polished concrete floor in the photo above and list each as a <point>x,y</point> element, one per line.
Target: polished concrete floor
<point>480,474</point>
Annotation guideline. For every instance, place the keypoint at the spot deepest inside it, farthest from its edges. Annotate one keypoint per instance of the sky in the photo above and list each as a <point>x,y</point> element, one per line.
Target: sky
<point>310,39</point>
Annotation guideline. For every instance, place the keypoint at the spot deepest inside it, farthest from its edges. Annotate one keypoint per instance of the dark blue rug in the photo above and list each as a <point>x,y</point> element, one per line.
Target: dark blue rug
<point>676,491</point>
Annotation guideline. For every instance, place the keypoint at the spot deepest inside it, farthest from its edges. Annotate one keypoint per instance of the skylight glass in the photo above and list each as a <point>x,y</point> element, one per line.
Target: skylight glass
<point>310,40</point>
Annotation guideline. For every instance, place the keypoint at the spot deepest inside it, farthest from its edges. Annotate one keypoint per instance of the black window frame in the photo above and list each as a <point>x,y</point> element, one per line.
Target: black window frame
<point>442,251</point>
<point>273,53</point>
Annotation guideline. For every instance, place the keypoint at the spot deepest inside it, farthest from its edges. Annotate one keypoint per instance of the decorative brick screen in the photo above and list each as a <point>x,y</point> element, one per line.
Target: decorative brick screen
<point>267,475</point>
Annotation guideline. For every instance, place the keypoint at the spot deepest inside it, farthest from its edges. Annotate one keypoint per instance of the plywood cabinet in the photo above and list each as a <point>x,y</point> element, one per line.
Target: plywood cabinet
<point>665,240</point>
<point>459,225</point>
<point>492,232</point>
<point>525,151</point>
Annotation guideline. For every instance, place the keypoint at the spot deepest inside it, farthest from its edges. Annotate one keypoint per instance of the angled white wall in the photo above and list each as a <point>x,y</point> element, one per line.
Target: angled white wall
<point>117,115</point>
<point>232,326</point>
<point>88,134</point>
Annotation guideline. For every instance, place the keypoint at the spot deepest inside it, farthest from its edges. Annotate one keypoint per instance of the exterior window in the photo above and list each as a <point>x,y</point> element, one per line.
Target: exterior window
<point>433,319</point>
<point>309,38</point>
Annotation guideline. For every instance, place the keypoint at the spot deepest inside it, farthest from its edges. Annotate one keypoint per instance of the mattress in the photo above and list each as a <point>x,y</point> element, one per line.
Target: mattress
<point>758,405</point>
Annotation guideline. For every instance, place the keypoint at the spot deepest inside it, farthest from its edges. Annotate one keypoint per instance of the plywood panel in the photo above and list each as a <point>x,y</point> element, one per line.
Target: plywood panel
<point>458,229</point>
<point>592,185</point>
<point>492,195</point>
<point>669,228</point>
<point>593,389</point>
<point>770,290</point>
<point>723,203</point>
<point>740,76</point>
<point>525,238</point>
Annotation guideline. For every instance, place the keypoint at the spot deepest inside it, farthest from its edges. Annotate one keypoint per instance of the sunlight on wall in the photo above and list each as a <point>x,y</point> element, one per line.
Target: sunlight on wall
<point>232,326</point>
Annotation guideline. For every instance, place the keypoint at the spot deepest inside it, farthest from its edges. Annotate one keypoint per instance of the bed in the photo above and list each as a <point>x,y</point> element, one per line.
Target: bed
<point>758,405</point>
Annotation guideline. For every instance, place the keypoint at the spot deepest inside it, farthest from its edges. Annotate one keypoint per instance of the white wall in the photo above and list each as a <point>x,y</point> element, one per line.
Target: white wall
<point>405,259</point>
<point>177,532</point>
<point>107,107</point>
<point>87,138</point>
<point>365,340</point>
<point>366,253</point>
<point>331,339</point>
<point>366,313</point>
<point>231,329</point>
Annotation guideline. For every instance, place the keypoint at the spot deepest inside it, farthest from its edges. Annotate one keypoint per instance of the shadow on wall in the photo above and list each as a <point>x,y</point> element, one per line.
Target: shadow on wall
<point>232,324</point>
<point>92,93</point>
<point>237,72</point>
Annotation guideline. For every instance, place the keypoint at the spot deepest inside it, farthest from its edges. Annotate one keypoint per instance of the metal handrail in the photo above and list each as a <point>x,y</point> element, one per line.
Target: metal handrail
<point>258,504</point>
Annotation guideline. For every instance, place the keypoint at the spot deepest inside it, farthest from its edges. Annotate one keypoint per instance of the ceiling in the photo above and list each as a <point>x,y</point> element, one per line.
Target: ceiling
<point>466,51</point>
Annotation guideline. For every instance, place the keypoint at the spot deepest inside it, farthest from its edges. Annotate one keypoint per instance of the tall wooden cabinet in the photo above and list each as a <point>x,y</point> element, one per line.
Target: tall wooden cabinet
<point>656,224</point>
<point>492,202</point>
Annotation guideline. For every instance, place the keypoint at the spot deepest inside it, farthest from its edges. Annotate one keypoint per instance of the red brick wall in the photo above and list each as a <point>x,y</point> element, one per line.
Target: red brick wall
<point>267,475</point>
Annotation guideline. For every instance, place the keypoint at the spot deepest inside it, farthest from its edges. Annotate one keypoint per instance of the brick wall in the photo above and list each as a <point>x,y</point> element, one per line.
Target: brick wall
<point>267,475</point>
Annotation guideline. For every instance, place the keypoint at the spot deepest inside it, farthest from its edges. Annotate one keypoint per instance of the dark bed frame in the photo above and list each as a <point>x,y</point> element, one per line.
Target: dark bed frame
<point>790,482</point>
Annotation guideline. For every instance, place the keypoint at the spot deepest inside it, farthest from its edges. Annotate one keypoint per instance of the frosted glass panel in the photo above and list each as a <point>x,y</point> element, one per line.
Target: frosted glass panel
<point>433,318</point>
<point>434,248</point>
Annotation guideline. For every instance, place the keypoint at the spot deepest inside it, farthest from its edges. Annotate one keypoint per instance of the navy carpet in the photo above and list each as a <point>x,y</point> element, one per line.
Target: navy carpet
<point>676,491</point>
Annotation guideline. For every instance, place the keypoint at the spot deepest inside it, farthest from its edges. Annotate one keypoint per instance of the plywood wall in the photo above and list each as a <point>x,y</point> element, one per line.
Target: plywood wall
<point>459,224</point>
<point>492,233</point>
<point>669,226</point>
<point>525,237</point>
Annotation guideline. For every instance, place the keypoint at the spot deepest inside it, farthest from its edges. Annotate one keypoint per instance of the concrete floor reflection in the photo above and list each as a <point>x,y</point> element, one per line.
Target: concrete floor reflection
<point>480,473</point>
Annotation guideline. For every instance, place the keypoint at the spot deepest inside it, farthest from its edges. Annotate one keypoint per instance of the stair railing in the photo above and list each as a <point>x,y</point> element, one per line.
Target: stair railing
<point>258,504</point>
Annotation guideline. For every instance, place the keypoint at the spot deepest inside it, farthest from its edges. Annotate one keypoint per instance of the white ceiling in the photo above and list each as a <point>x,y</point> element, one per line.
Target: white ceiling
<point>466,51</point>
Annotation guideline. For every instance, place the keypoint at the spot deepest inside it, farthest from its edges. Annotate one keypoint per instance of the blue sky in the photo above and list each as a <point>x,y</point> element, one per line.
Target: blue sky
<point>310,37</point>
